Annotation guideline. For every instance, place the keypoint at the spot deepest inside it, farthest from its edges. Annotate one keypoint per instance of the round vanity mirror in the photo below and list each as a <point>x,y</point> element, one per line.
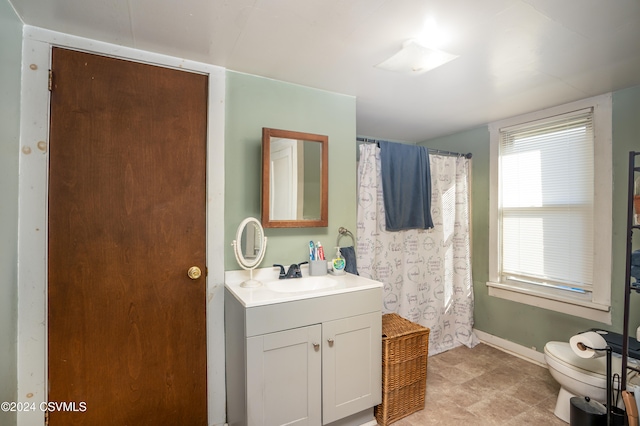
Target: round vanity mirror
<point>249,247</point>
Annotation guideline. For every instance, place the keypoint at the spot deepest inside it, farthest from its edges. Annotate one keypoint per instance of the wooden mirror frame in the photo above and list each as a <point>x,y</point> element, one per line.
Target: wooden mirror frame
<point>267,222</point>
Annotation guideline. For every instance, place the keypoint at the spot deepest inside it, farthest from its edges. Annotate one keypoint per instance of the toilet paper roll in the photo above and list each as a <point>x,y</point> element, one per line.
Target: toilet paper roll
<point>590,339</point>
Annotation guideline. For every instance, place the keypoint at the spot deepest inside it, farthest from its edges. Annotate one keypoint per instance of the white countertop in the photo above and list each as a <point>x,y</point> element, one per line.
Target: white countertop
<point>262,295</point>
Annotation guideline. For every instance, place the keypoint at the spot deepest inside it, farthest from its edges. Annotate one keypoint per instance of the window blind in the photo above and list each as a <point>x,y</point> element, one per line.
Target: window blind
<point>546,201</point>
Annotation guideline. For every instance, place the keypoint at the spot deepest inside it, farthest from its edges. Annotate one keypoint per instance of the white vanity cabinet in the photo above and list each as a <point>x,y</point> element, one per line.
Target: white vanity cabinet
<point>315,361</point>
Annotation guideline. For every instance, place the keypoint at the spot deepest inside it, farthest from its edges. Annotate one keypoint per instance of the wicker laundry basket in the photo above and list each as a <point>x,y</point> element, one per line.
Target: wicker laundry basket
<point>405,348</point>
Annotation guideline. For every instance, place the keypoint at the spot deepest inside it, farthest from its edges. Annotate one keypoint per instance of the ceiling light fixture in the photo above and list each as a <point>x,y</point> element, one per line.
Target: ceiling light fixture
<point>415,58</point>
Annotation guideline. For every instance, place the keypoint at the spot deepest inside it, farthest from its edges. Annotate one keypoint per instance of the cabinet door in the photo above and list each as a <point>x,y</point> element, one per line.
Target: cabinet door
<point>351,365</point>
<point>284,377</point>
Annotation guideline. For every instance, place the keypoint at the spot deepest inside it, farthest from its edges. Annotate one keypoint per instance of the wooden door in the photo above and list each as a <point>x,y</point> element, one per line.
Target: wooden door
<point>126,325</point>
<point>284,378</point>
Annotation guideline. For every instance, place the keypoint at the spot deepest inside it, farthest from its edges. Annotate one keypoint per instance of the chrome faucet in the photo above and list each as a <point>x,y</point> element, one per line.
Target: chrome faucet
<point>293,272</point>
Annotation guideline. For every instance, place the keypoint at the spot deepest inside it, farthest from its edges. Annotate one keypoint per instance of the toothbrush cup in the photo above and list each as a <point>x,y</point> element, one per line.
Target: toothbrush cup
<point>317,267</point>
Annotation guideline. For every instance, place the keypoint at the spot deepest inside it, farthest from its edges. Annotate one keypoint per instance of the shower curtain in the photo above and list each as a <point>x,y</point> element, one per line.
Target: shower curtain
<point>426,273</point>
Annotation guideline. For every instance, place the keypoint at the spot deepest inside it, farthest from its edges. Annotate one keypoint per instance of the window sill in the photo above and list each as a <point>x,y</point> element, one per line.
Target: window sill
<point>577,305</point>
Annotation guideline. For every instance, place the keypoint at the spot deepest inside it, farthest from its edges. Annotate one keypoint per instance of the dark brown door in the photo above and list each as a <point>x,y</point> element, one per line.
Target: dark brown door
<point>126,324</point>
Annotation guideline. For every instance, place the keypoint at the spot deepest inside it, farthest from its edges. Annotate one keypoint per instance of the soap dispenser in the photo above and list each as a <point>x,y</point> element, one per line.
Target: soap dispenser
<point>338,263</point>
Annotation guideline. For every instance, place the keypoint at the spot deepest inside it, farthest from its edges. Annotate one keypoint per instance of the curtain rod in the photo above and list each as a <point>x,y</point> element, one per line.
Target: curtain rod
<point>435,151</point>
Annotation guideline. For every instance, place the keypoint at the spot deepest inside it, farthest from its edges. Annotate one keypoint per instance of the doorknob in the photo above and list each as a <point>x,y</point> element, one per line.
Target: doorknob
<point>194,273</point>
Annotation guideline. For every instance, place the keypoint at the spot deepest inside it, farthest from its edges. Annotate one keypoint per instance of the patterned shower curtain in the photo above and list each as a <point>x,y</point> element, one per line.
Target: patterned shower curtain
<point>426,273</point>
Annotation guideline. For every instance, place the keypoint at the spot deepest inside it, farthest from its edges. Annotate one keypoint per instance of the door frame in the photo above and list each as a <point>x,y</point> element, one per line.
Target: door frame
<point>33,214</point>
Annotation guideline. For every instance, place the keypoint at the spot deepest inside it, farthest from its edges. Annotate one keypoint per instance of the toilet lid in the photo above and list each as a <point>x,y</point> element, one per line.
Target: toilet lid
<point>562,352</point>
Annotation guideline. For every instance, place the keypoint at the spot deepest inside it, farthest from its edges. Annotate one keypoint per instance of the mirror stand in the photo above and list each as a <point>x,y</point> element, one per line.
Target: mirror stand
<point>249,248</point>
<point>250,282</point>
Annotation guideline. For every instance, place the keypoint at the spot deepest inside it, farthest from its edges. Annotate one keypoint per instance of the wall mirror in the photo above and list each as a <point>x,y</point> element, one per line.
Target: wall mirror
<point>295,168</point>
<point>249,247</point>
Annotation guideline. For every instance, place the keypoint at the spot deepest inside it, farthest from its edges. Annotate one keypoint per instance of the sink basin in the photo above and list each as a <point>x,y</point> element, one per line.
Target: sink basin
<point>294,285</point>
<point>274,291</point>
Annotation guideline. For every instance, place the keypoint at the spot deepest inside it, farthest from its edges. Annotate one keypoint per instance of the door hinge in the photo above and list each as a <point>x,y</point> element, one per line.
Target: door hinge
<point>50,80</point>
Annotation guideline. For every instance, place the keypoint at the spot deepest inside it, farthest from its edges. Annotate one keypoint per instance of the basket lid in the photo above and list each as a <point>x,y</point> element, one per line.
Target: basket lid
<point>393,325</point>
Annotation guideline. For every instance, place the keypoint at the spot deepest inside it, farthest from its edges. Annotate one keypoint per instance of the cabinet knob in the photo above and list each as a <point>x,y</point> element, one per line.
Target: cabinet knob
<point>330,341</point>
<point>316,346</point>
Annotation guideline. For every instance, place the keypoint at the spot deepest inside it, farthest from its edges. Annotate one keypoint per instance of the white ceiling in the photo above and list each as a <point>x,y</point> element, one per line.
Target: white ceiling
<point>515,56</point>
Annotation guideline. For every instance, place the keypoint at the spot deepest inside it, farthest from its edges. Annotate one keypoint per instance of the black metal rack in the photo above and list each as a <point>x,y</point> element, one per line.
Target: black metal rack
<point>631,226</point>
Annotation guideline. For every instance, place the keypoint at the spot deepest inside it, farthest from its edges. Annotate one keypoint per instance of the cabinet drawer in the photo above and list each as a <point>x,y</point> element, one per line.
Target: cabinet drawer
<point>299,313</point>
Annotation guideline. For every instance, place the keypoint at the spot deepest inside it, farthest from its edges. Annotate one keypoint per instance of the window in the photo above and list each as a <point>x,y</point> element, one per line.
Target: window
<point>545,207</point>
<point>551,185</point>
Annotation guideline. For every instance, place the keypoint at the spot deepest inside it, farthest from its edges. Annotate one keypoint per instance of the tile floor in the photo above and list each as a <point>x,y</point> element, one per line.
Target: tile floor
<point>485,386</point>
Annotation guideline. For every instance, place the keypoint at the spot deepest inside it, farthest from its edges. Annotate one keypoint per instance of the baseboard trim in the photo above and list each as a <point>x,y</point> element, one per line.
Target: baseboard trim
<point>512,348</point>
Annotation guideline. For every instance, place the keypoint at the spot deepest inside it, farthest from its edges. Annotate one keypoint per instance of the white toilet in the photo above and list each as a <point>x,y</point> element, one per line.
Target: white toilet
<point>580,377</point>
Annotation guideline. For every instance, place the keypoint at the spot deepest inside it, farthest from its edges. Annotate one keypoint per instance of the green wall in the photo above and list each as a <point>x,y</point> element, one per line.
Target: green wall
<point>10,66</point>
<point>253,103</point>
<point>523,324</point>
